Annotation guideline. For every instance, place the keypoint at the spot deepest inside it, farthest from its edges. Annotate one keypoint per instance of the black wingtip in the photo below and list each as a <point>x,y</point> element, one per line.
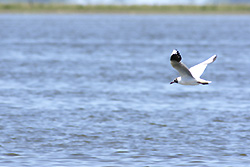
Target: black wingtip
<point>175,56</point>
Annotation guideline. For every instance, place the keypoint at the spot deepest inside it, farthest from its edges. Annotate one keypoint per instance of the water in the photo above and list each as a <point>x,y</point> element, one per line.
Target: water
<point>93,90</point>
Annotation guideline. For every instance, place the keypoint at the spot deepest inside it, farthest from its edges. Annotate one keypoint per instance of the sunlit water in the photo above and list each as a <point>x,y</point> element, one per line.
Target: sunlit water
<point>93,90</point>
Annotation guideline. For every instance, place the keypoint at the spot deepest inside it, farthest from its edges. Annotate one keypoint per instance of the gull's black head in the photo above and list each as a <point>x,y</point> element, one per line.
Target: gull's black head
<point>175,56</point>
<point>174,81</point>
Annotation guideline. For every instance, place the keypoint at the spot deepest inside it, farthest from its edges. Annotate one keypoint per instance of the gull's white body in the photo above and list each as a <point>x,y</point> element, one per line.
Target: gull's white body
<point>189,76</point>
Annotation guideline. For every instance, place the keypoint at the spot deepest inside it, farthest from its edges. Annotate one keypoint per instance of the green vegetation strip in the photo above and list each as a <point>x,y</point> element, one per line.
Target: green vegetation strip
<point>137,9</point>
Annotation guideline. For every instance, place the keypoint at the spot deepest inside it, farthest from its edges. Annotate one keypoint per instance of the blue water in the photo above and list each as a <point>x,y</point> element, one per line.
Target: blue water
<point>93,90</point>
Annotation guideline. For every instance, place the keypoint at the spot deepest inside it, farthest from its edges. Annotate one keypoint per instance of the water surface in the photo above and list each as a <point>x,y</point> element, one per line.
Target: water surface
<point>93,90</point>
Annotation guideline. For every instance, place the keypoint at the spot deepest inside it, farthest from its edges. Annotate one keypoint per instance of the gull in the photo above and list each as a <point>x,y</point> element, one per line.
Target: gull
<point>189,76</point>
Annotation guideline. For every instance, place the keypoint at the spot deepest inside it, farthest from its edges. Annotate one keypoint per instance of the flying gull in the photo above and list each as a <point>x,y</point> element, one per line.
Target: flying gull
<point>189,76</point>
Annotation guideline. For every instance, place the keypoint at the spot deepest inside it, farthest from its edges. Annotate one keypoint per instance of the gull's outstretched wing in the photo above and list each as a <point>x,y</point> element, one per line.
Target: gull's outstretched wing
<point>182,69</point>
<point>198,69</point>
<point>175,61</point>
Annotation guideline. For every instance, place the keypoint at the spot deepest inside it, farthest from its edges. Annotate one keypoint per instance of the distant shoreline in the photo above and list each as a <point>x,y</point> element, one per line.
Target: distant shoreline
<point>127,9</point>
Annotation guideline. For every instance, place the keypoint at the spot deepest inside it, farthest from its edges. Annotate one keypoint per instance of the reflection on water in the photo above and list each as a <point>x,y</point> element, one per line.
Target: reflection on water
<point>93,90</point>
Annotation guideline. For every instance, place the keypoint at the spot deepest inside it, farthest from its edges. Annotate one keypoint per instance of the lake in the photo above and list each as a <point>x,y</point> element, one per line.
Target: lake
<point>93,90</point>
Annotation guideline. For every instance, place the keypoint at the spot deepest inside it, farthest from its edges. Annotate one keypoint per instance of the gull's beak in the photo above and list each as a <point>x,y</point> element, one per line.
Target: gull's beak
<point>172,82</point>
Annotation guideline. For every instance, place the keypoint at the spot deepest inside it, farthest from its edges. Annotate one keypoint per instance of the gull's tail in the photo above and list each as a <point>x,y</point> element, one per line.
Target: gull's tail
<point>203,82</point>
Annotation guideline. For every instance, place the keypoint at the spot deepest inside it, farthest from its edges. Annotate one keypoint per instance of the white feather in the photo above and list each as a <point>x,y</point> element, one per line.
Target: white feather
<point>198,69</point>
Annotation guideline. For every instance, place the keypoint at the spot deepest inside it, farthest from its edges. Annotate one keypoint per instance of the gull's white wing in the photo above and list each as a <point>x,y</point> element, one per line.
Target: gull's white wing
<point>182,69</point>
<point>198,69</point>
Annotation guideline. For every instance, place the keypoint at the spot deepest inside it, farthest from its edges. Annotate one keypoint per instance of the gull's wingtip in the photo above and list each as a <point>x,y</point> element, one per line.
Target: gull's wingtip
<point>211,59</point>
<point>214,57</point>
<point>175,56</point>
<point>175,51</point>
